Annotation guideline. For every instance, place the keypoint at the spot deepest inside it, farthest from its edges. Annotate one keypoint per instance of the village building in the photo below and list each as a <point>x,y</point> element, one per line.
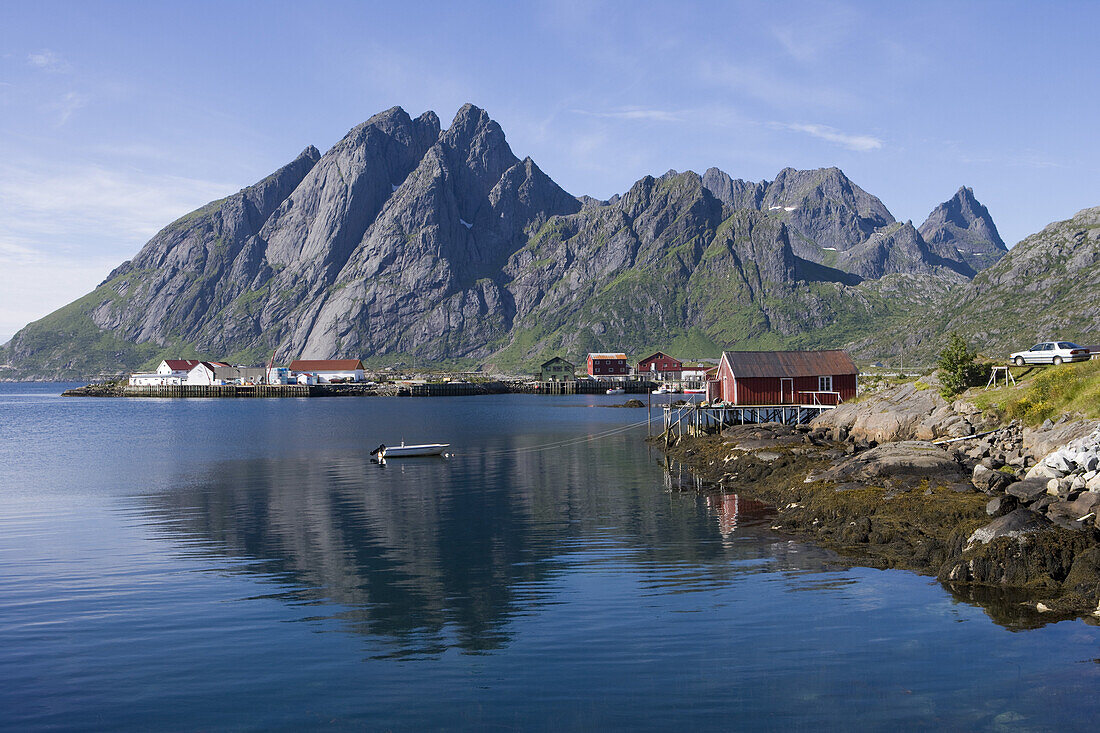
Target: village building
<point>177,367</point>
<point>660,367</point>
<point>784,378</point>
<point>207,373</point>
<point>170,372</point>
<point>329,370</point>
<point>693,374</point>
<point>608,365</point>
<point>557,370</point>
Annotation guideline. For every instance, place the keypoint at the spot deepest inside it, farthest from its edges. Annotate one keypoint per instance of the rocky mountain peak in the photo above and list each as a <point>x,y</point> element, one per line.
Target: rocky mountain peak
<point>476,149</point>
<point>964,224</point>
<point>734,193</point>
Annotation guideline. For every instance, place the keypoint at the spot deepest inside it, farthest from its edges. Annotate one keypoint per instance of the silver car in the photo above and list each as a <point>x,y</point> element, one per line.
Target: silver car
<point>1050,352</point>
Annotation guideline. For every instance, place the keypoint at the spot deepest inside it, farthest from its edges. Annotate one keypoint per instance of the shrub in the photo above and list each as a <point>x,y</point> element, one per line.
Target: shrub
<point>958,368</point>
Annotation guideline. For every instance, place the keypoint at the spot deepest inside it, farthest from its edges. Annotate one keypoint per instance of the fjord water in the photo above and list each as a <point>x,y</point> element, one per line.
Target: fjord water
<point>240,564</point>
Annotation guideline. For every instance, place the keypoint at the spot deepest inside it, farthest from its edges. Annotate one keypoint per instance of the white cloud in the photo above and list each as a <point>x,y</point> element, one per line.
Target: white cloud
<point>62,229</point>
<point>67,105</point>
<point>859,143</point>
<point>47,60</point>
<point>39,202</point>
<point>33,284</point>
<point>635,113</point>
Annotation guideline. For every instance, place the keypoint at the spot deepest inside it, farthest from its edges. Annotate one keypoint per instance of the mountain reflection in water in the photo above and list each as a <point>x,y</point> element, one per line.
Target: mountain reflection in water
<point>431,553</point>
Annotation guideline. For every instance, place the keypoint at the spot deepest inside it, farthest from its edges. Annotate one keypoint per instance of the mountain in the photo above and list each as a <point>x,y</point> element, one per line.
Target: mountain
<point>965,227</point>
<point>1043,288</point>
<point>410,243</point>
<point>900,248</point>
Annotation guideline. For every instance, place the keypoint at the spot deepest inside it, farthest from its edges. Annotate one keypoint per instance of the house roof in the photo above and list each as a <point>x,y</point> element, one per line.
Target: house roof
<point>557,358</point>
<point>325,365</point>
<point>181,365</point>
<point>789,363</point>
<point>211,365</point>
<point>658,355</point>
<point>606,355</point>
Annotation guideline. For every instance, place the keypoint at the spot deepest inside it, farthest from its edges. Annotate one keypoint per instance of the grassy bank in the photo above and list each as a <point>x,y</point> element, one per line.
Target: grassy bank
<point>1046,393</point>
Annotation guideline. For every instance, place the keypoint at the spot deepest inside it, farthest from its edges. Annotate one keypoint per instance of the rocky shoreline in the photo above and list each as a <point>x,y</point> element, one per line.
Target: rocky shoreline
<point>907,480</point>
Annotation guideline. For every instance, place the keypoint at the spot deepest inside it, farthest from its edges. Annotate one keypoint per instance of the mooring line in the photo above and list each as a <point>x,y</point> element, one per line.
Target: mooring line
<point>563,443</point>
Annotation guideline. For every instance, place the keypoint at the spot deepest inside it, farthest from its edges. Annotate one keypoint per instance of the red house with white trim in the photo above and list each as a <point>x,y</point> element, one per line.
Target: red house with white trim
<point>784,378</point>
<point>608,365</point>
<point>660,366</point>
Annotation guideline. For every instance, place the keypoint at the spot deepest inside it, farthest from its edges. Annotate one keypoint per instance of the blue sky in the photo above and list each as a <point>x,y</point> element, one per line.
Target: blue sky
<point>116,118</point>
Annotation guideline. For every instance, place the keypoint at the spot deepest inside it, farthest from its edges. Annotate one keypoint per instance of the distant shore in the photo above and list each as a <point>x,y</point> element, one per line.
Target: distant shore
<point>360,389</point>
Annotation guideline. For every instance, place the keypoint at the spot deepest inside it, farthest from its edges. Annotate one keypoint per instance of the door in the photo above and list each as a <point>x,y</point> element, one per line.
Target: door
<point>786,390</point>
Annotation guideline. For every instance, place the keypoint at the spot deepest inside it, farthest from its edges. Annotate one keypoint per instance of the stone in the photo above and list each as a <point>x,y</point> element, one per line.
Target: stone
<point>1014,524</point>
<point>1093,484</point>
<point>909,460</point>
<point>1041,470</point>
<point>1054,486</point>
<point>1001,505</point>
<point>1040,505</point>
<point>1027,490</point>
<point>1085,503</point>
<point>1059,462</point>
<point>980,477</point>
<point>1077,483</point>
<point>990,481</point>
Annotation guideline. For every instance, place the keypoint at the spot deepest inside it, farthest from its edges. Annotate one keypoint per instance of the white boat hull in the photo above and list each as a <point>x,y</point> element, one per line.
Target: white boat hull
<point>409,451</point>
<point>619,390</point>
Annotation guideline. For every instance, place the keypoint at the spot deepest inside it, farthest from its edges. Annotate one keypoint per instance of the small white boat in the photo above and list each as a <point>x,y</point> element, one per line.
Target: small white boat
<point>616,390</point>
<point>409,451</point>
<point>662,390</point>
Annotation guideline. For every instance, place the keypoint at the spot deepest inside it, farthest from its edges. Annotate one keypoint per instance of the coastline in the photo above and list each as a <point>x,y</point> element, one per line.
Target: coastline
<point>984,513</point>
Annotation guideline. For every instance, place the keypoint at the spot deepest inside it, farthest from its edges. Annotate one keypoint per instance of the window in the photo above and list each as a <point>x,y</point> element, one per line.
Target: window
<point>825,384</point>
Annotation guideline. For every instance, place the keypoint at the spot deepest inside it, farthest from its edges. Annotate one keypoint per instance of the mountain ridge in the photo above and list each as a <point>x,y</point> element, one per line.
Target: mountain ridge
<point>407,242</point>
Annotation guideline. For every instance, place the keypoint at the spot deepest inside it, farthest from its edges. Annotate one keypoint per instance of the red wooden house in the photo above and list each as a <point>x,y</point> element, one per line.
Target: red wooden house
<point>660,366</point>
<point>784,378</point>
<point>608,365</point>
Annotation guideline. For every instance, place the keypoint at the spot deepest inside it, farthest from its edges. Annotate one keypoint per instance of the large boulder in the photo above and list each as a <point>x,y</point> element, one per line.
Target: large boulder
<point>990,481</point>
<point>1014,524</point>
<point>1028,490</point>
<point>907,460</point>
<point>1050,437</point>
<point>913,411</point>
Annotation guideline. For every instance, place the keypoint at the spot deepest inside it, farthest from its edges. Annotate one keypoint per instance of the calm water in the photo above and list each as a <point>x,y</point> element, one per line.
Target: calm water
<point>213,564</point>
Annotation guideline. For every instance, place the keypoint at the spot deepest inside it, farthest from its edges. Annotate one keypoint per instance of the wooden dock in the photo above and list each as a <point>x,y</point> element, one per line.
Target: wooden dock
<point>228,390</point>
<point>589,386</point>
<point>693,419</point>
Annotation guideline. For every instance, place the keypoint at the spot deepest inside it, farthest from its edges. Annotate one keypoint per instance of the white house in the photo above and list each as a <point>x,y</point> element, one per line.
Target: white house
<point>210,373</point>
<point>694,373</point>
<point>177,367</point>
<point>329,370</point>
<point>170,372</point>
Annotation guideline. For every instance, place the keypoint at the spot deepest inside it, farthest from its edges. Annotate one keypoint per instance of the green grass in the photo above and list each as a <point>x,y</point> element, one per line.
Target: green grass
<point>1047,393</point>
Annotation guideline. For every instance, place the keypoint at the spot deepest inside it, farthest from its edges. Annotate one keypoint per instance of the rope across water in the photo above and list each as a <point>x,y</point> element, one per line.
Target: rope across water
<point>564,443</point>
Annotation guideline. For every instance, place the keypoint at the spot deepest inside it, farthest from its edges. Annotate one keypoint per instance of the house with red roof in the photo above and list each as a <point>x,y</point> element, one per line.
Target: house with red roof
<point>660,367</point>
<point>170,372</point>
<point>784,378</point>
